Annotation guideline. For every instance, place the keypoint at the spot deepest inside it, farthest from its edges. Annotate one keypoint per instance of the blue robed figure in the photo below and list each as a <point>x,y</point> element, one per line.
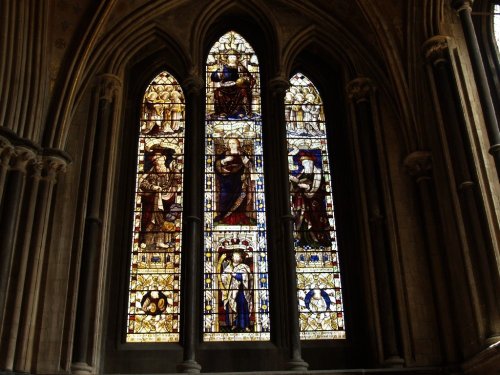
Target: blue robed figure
<point>237,294</point>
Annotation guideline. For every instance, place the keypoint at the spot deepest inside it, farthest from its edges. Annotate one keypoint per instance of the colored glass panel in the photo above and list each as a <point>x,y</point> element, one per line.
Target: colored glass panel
<point>236,293</point>
<point>154,288</point>
<point>321,311</point>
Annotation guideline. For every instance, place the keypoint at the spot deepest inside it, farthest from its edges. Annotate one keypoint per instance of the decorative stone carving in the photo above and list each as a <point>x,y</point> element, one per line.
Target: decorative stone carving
<point>36,168</point>
<point>360,89</point>
<point>435,49</point>
<point>418,164</point>
<point>52,167</point>
<point>22,156</point>
<point>109,86</point>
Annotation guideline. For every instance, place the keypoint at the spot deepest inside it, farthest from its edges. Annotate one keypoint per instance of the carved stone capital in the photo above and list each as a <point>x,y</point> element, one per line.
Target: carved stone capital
<point>6,151</point>
<point>278,85</point>
<point>460,5</point>
<point>53,166</point>
<point>435,49</point>
<point>193,84</point>
<point>36,168</point>
<point>360,89</point>
<point>21,157</point>
<point>419,164</point>
<point>109,87</point>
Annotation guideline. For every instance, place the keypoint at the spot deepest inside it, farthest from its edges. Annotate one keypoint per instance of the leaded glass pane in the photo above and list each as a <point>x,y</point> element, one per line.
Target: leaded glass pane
<point>321,311</point>
<point>154,288</point>
<point>236,297</point>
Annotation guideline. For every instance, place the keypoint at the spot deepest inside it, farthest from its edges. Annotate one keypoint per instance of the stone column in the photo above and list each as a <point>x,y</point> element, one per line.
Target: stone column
<point>471,205</point>
<point>278,87</point>
<point>360,92</point>
<point>464,9</point>
<point>418,164</point>
<point>193,214</point>
<point>6,151</point>
<point>109,86</point>
<point>19,268</point>
<point>9,217</point>
<point>53,163</point>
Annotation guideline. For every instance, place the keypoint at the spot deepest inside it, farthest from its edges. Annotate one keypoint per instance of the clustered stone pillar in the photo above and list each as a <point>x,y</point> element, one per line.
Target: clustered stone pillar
<point>278,88</point>
<point>19,264</point>
<point>464,9</point>
<point>192,86</point>
<point>109,87</point>
<point>360,92</point>
<point>53,163</point>
<point>25,210</point>
<point>9,217</point>
<point>436,51</point>
<point>418,164</point>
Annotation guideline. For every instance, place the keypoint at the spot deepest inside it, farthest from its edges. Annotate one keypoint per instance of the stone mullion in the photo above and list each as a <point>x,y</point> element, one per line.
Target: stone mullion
<point>419,165</point>
<point>9,218</point>
<point>193,219</point>
<point>28,334</point>
<point>89,275</point>
<point>471,206</point>
<point>16,292</point>
<point>360,91</point>
<point>278,87</point>
<point>464,9</point>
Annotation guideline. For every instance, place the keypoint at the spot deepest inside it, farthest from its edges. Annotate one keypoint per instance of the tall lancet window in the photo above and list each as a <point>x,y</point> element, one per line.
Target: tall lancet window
<point>318,276</point>
<point>236,297</point>
<point>153,309</point>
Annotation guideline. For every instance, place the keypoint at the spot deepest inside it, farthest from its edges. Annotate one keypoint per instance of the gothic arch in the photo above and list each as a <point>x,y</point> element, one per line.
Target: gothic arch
<point>92,56</point>
<point>226,15</point>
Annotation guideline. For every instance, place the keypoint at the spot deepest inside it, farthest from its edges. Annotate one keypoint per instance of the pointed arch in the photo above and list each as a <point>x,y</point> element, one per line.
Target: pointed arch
<point>236,292</point>
<point>155,267</point>
<point>321,311</point>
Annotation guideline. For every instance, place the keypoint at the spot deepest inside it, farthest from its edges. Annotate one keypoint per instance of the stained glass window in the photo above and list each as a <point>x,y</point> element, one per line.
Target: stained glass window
<point>236,297</point>
<point>153,309</point>
<point>496,24</point>
<point>321,311</point>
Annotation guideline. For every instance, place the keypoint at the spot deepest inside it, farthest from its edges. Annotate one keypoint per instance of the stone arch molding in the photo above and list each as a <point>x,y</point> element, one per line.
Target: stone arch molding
<point>109,51</point>
<point>99,52</point>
